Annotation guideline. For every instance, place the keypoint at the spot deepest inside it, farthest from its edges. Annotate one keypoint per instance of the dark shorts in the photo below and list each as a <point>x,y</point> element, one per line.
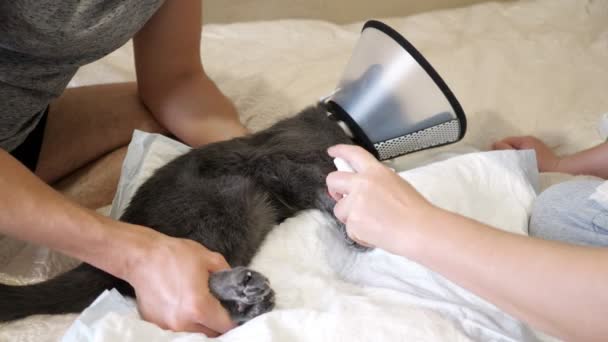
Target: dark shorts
<point>29,150</point>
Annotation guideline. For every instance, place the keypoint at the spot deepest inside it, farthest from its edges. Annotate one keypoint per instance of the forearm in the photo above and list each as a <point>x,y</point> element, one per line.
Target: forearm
<point>32,211</point>
<point>558,288</point>
<point>172,82</point>
<point>593,161</point>
<point>193,109</point>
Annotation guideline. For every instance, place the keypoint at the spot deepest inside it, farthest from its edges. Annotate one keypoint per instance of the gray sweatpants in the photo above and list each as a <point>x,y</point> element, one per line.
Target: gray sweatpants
<point>564,212</point>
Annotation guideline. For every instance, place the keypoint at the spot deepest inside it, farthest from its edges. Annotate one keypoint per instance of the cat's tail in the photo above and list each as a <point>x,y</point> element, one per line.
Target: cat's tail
<point>69,292</point>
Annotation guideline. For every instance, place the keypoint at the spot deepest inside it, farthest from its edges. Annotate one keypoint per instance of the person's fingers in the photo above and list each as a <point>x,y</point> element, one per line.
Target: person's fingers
<point>356,156</point>
<point>341,209</point>
<point>335,195</point>
<point>339,183</point>
<point>353,236</point>
<point>332,193</point>
<point>212,315</point>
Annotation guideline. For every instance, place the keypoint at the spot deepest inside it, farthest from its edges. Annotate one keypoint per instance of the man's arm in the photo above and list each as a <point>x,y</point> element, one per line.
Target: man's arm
<point>33,211</point>
<point>169,275</point>
<point>172,82</point>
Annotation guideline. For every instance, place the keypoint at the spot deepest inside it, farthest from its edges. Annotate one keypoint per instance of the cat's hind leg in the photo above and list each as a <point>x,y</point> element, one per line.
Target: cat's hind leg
<point>243,292</point>
<point>234,216</point>
<point>228,214</point>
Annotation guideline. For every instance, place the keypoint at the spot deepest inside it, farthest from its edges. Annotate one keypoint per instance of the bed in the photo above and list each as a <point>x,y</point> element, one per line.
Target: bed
<point>526,67</point>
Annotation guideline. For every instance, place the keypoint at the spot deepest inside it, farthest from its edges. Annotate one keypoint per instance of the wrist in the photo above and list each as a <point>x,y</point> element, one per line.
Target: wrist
<point>560,165</point>
<point>569,165</point>
<point>414,240</point>
<point>125,248</point>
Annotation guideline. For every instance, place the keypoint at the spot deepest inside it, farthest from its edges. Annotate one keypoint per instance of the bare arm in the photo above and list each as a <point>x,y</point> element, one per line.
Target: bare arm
<point>558,288</point>
<point>593,161</point>
<point>169,275</point>
<point>172,82</point>
<point>32,211</point>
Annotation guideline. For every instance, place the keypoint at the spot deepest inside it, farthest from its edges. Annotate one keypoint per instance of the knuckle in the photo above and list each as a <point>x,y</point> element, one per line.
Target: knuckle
<point>359,149</point>
<point>216,259</point>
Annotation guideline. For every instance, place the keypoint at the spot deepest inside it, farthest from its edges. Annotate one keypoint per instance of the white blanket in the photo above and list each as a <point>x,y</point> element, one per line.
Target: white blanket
<point>527,67</point>
<point>324,290</point>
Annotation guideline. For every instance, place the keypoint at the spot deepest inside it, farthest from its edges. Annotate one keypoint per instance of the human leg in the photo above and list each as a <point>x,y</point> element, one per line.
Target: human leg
<point>86,123</point>
<point>94,185</point>
<point>85,138</point>
<point>565,213</point>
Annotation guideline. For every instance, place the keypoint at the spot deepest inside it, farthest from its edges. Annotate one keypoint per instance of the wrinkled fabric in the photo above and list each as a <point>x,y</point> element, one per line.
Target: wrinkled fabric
<point>319,282</point>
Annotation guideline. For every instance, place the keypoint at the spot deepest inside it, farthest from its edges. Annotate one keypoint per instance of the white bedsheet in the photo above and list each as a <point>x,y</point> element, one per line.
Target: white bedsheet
<point>529,67</point>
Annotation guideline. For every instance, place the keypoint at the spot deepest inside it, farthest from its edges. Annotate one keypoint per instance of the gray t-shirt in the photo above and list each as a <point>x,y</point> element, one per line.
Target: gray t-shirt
<point>44,42</point>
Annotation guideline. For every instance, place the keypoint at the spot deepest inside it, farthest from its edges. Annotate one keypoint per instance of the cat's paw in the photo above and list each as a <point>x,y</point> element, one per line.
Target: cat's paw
<point>243,292</point>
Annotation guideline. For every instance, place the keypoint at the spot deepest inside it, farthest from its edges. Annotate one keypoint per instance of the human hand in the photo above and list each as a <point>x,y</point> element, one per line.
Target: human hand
<point>546,159</point>
<point>172,289</point>
<point>377,206</point>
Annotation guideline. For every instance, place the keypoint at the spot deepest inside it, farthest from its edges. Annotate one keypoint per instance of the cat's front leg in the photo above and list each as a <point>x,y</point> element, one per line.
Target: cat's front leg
<point>243,292</point>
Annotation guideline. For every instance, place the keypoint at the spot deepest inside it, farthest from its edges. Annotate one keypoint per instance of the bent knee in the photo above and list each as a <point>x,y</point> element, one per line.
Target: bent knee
<point>565,212</point>
<point>566,196</point>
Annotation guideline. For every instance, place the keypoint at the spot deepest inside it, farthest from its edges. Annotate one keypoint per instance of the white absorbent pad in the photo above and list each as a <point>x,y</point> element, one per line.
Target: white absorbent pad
<point>326,292</point>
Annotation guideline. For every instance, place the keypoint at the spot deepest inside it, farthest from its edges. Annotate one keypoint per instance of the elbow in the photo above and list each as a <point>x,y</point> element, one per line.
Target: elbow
<point>155,91</point>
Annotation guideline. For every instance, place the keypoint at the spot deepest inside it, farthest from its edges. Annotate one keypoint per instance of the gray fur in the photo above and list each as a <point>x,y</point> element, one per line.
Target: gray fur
<point>227,196</point>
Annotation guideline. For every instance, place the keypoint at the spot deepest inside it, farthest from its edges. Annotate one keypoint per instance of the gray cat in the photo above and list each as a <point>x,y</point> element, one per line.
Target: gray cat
<point>227,196</point>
